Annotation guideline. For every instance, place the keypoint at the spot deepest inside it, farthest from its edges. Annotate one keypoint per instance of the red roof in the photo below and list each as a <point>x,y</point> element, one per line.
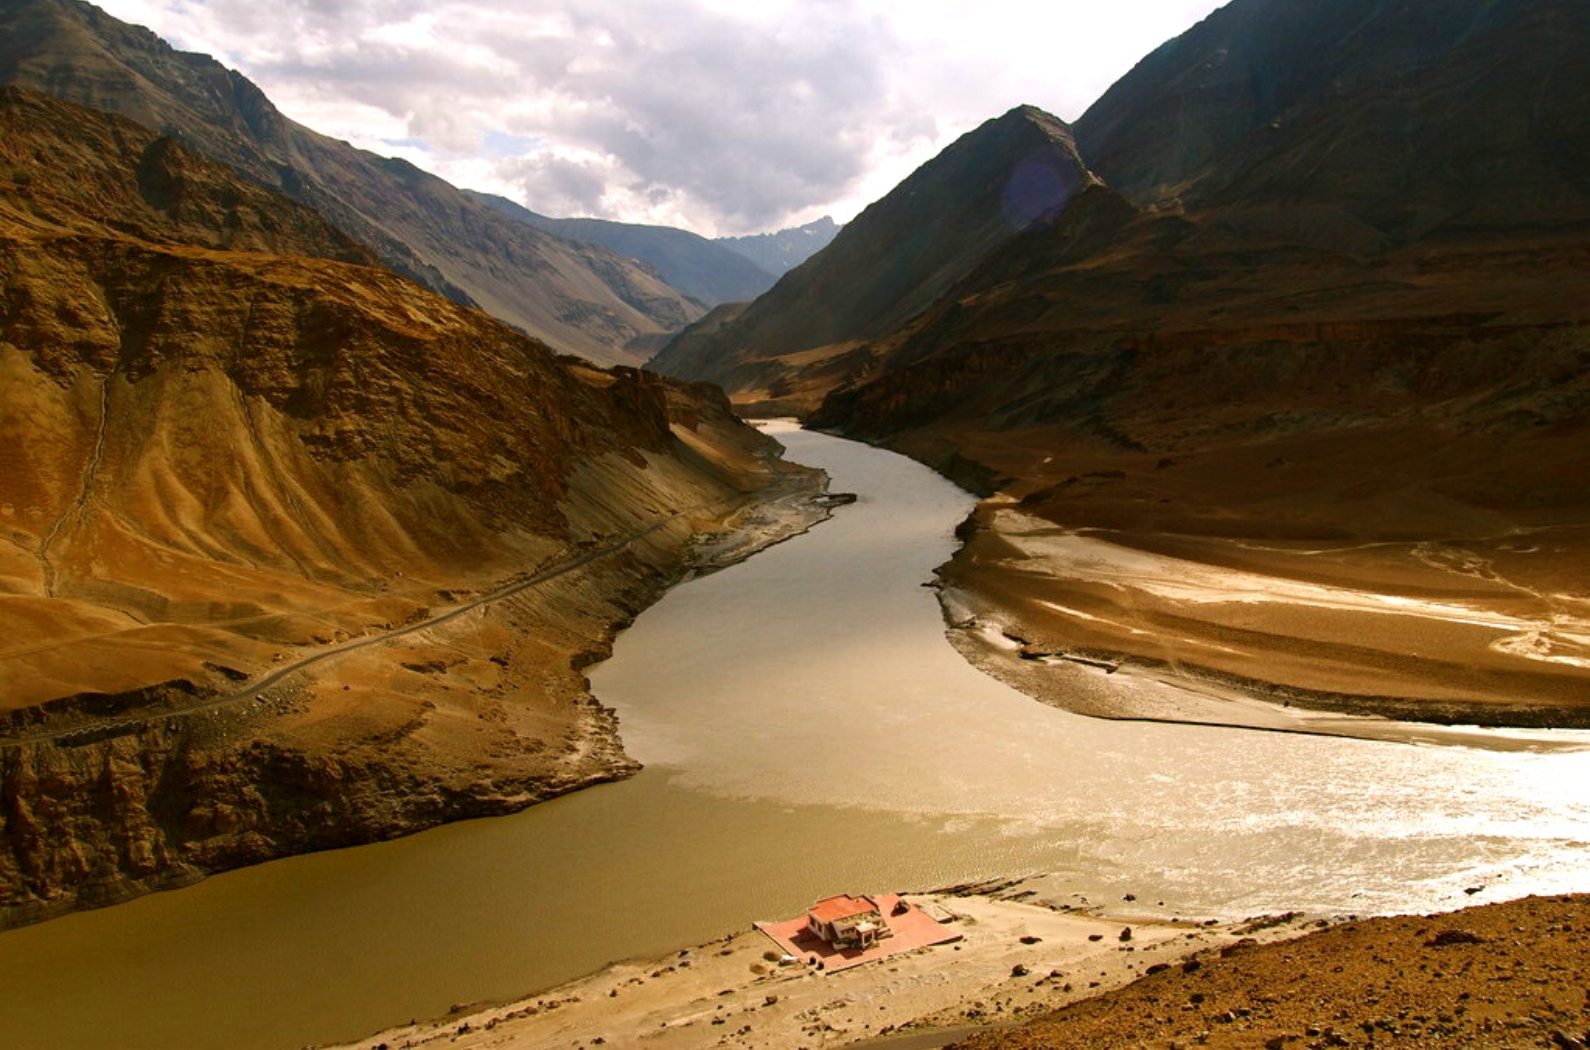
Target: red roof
<point>831,909</point>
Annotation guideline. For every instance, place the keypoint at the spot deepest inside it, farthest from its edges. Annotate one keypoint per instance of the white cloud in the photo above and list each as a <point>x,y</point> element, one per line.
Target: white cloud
<point>725,116</point>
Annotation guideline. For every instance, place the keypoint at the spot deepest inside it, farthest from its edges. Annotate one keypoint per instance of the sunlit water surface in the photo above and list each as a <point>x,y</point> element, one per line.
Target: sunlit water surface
<point>806,730</point>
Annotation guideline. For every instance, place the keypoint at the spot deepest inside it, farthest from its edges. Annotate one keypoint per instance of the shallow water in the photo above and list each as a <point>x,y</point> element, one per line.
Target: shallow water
<point>807,730</point>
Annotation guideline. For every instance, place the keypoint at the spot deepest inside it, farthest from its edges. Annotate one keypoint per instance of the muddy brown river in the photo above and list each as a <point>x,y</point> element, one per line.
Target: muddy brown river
<point>806,730</point>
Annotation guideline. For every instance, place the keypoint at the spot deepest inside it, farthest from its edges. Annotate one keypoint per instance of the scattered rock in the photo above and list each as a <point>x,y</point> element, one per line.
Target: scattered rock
<point>1454,936</point>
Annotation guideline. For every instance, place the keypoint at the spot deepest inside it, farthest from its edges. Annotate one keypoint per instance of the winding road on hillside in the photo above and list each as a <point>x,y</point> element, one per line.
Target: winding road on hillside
<point>86,731</point>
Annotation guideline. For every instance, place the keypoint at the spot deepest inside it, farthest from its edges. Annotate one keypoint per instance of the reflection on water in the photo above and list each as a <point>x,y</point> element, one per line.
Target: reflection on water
<point>807,731</point>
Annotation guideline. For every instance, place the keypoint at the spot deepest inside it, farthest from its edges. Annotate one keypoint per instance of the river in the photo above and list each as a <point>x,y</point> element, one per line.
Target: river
<point>806,730</point>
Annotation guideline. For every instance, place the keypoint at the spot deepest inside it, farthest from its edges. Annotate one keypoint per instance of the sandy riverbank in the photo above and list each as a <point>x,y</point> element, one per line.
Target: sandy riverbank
<point>1026,948</point>
<point>1384,641</point>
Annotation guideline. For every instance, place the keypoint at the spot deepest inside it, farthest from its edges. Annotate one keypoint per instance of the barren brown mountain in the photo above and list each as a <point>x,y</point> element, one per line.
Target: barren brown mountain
<point>578,297</point>
<point>233,445</point>
<point>1300,415</point>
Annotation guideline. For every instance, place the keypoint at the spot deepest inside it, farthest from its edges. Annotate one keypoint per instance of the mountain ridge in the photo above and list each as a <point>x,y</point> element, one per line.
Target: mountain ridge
<point>1352,320</point>
<point>689,262</point>
<point>580,297</point>
<point>783,250</point>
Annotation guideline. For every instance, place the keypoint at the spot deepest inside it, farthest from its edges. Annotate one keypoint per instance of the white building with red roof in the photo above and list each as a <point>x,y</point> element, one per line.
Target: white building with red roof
<point>847,922</point>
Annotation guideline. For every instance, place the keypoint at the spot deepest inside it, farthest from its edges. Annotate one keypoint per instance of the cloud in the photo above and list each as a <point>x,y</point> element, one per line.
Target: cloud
<point>725,117</point>
<point>676,112</point>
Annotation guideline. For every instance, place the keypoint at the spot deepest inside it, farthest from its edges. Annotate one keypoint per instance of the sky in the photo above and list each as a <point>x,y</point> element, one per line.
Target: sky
<point>720,116</point>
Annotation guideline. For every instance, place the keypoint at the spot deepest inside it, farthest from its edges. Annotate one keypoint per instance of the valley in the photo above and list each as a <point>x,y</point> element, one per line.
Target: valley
<point>1153,543</point>
<point>943,776</point>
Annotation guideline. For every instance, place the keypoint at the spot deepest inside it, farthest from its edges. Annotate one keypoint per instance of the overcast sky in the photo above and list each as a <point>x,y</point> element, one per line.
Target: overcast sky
<point>720,116</point>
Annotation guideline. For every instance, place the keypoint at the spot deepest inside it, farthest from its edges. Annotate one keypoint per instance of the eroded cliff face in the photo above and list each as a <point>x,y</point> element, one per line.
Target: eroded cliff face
<point>483,719</point>
<point>294,553</point>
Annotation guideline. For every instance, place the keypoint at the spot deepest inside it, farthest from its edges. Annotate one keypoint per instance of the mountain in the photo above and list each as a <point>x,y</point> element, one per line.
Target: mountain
<point>1406,116</point>
<point>892,262</point>
<point>579,297</point>
<point>1341,306</point>
<point>780,252</point>
<point>689,262</point>
<point>257,497</point>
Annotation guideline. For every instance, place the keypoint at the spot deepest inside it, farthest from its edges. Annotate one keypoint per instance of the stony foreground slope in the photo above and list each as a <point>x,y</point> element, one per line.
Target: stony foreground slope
<point>1032,975</point>
<point>1501,976</point>
<point>232,443</point>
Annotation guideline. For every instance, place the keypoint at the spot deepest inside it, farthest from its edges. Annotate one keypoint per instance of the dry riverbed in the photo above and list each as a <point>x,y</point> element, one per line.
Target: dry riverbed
<point>1026,949</point>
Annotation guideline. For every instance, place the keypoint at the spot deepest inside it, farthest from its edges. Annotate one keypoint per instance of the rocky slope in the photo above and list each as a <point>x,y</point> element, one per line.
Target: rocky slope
<point>702,269</point>
<point>235,444</point>
<point>578,297</point>
<point>893,261</point>
<point>1030,973</point>
<point>1500,976</point>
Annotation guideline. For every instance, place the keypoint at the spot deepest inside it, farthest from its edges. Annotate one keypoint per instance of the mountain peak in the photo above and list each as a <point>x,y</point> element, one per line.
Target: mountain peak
<point>1033,115</point>
<point>1006,176</point>
<point>1275,103</point>
<point>781,251</point>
